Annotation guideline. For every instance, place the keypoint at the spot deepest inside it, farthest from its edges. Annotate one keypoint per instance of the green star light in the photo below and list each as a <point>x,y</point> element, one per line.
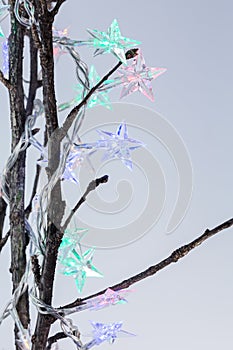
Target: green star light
<point>111,41</point>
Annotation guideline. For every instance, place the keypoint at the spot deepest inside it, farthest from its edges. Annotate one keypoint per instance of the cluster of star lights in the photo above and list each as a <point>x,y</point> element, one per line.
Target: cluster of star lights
<point>132,76</point>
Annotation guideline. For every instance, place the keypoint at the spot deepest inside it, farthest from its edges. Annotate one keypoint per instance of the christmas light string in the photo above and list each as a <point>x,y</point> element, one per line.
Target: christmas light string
<point>30,10</point>
<point>112,42</point>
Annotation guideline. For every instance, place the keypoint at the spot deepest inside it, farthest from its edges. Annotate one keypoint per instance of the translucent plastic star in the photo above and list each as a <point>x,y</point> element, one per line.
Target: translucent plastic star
<point>5,54</point>
<point>74,159</point>
<point>109,332</point>
<point>80,267</point>
<point>3,11</point>
<point>111,41</point>
<point>98,98</point>
<point>137,77</point>
<point>110,297</point>
<point>118,144</point>
<point>70,240</point>
<point>59,50</point>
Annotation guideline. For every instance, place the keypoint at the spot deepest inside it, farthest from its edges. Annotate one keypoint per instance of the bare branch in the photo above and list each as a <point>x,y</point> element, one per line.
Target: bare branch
<point>34,189</point>
<point>91,187</point>
<point>55,338</point>
<point>3,207</point>
<point>33,75</point>
<point>173,258</point>
<point>57,7</point>
<point>36,269</point>
<point>4,240</point>
<point>5,81</point>
<point>73,113</point>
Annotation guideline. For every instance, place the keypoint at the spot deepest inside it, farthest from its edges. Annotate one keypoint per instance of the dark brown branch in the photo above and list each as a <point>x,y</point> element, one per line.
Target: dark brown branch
<point>57,7</point>
<point>35,37</point>
<point>91,187</point>
<point>3,207</point>
<point>5,81</point>
<point>173,258</point>
<point>36,269</point>
<point>33,75</point>
<point>34,189</point>
<point>73,113</point>
<point>4,240</point>
<point>55,338</point>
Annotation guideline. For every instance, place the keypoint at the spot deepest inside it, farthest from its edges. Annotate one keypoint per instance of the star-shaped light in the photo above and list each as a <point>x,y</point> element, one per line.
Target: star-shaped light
<point>59,50</point>
<point>5,54</point>
<point>110,297</point>
<point>80,267</point>
<point>3,11</point>
<point>138,77</point>
<point>109,332</point>
<point>74,159</point>
<point>70,240</point>
<point>111,41</point>
<point>98,98</point>
<point>118,144</point>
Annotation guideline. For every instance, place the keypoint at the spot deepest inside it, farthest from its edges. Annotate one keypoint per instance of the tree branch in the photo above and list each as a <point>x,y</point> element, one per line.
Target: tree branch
<point>34,189</point>
<point>55,338</point>
<point>57,7</point>
<point>3,207</point>
<point>173,258</point>
<point>4,240</point>
<point>5,81</point>
<point>91,187</point>
<point>33,75</point>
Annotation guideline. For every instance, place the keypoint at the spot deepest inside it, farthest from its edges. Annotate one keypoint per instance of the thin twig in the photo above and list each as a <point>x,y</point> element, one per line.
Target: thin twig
<point>91,187</point>
<point>34,189</point>
<point>33,85</point>
<point>3,207</point>
<point>57,7</point>
<point>5,81</point>
<point>173,258</point>
<point>55,338</point>
<point>73,113</point>
<point>4,240</point>
<point>36,269</point>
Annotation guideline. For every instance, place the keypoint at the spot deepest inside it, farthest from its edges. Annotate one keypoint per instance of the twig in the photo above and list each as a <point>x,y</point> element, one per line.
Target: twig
<point>55,338</point>
<point>36,269</point>
<point>4,240</point>
<point>33,85</point>
<point>91,187</point>
<point>3,207</point>
<point>71,116</point>
<point>34,189</point>
<point>173,258</point>
<point>57,7</point>
<point>5,81</point>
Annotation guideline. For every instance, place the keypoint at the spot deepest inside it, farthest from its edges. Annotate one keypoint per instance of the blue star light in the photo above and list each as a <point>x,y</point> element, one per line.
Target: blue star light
<point>109,332</point>
<point>118,144</point>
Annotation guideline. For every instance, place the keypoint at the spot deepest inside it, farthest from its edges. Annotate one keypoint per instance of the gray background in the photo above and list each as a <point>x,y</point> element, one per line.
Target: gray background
<point>190,303</point>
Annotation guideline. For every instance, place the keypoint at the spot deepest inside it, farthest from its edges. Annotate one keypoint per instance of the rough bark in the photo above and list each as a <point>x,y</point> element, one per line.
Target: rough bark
<point>17,173</point>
